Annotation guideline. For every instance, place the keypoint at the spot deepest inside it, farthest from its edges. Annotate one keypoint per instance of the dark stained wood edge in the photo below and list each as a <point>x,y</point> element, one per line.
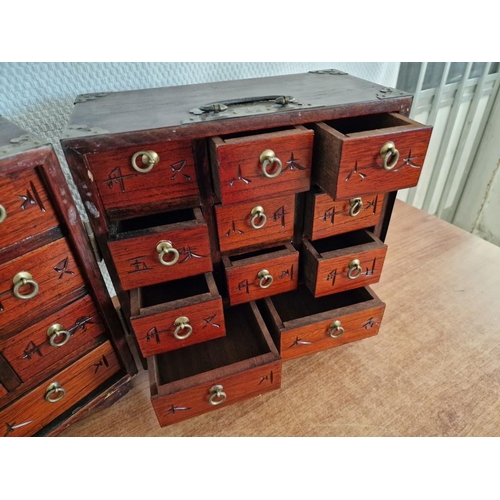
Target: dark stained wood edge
<point>106,142</point>
<point>380,230</point>
<point>68,213</point>
<point>8,377</point>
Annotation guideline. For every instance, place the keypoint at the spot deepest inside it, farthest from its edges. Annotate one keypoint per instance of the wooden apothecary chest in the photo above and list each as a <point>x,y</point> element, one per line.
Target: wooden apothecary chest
<point>62,345</point>
<point>243,221</point>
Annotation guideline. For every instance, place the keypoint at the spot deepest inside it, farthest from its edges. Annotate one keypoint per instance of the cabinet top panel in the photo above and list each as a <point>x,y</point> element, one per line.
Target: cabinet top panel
<point>15,140</point>
<point>230,106</point>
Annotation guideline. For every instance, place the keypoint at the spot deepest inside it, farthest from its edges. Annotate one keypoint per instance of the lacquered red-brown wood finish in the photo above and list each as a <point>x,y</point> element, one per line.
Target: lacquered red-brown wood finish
<point>120,185</point>
<point>30,351</point>
<point>137,259</point>
<point>234,223</point>
<point>325,217</point>
<point>350,165</point>
<point>32,412</point>
<point>3,390</point>
<point>305,331</point>
<point>27,208</point>
<point>239,174</point>
<point>243,280</point>
<point>328,272</point>
<point>54,269</point>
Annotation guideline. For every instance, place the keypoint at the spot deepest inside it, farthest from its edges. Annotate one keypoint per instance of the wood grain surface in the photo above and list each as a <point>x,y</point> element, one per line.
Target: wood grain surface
<point>238,172</point>
<point>350,165</point>
<point>433,369</point>
<point>325,217</point>
<point>27,206</point>
<point>234,223</point>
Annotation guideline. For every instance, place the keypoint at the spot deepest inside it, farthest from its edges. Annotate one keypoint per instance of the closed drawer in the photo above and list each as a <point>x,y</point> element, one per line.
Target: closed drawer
<point>161,247</point>
<point>343,262</point>
<point>255,223</point>
<point>59,335</point>
<point>32,412</point>
<point>212,375</point>
<point>325,217</point>
<point>25,209</point>
<point>261,273</point>
<point>176,314</point>
<point>121,185</point>
<point>52,275</point>
<point>369,154</point>
<point>300,324</point>
<point>250,167</point>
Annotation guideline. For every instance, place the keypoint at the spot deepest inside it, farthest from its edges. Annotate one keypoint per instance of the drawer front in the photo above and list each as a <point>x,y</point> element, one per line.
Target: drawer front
<point>325,217</point>
<point>137,260</point>
<point>196,401</point>
<point>32,412</point>
<point>343,269</point>
<point>34,350</point>
<point>180,327</point>
<point>352,165</point>
<point>120,185</point>
<point>3,390</point>
<point>53,270</point>
<point>258,277</point>
<point>325,334</point>
<point>243,225</point>
<point>240,175</point>
<point>25,208</point>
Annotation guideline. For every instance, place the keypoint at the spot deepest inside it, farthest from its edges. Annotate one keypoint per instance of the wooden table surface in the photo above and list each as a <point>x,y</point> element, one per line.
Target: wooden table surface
<point>433,369</point>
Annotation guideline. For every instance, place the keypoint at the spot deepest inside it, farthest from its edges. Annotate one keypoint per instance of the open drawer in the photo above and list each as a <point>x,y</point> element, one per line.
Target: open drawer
<point>343,262</point>
<point>301,324</point>
<point>262,273</point>
<point>325,217</point>
<point>160,247</point>
<point>176,314</point>
<point>207,376</point>
<point>253,166</point>
<point>370,154</point>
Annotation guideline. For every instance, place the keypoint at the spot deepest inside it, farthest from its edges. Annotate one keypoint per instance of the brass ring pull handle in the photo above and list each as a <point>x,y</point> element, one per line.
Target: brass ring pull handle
<point>354,270</point>
<point>389,155</point>
<point>21,279</point>
<point>56,331</point>
<point>258,213</point>
<point>164,248</point>
<point>268,157</point>
<point>54,392</point>
<point>217,396</point>
<point>336,330</point>
<point>266,280</point>
<point>356,206</point>
<point>148,158</point>
<point>3,213</point>
<point>182,323</point>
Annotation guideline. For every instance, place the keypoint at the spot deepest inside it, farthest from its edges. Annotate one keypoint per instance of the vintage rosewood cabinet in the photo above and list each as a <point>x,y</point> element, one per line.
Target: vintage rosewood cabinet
<point>62,345</point>
<point>242,222</point>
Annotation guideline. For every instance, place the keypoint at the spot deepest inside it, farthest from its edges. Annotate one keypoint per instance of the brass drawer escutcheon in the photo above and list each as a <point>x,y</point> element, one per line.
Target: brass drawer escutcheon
<point>268,157</point>
<point>54,332</point>
<point>389,155</point>
<point>355,269</point>
<point>182,323</point>
<point>266,280</point>
<point>258,213</point>
<point>165,247</point>
<point>3,213</point>
<point>54,392</point>
<point>21,279</point>
<point>336,330</point>
<point>217,396</point>
<point>148,158</point>
<point>356,206</point>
